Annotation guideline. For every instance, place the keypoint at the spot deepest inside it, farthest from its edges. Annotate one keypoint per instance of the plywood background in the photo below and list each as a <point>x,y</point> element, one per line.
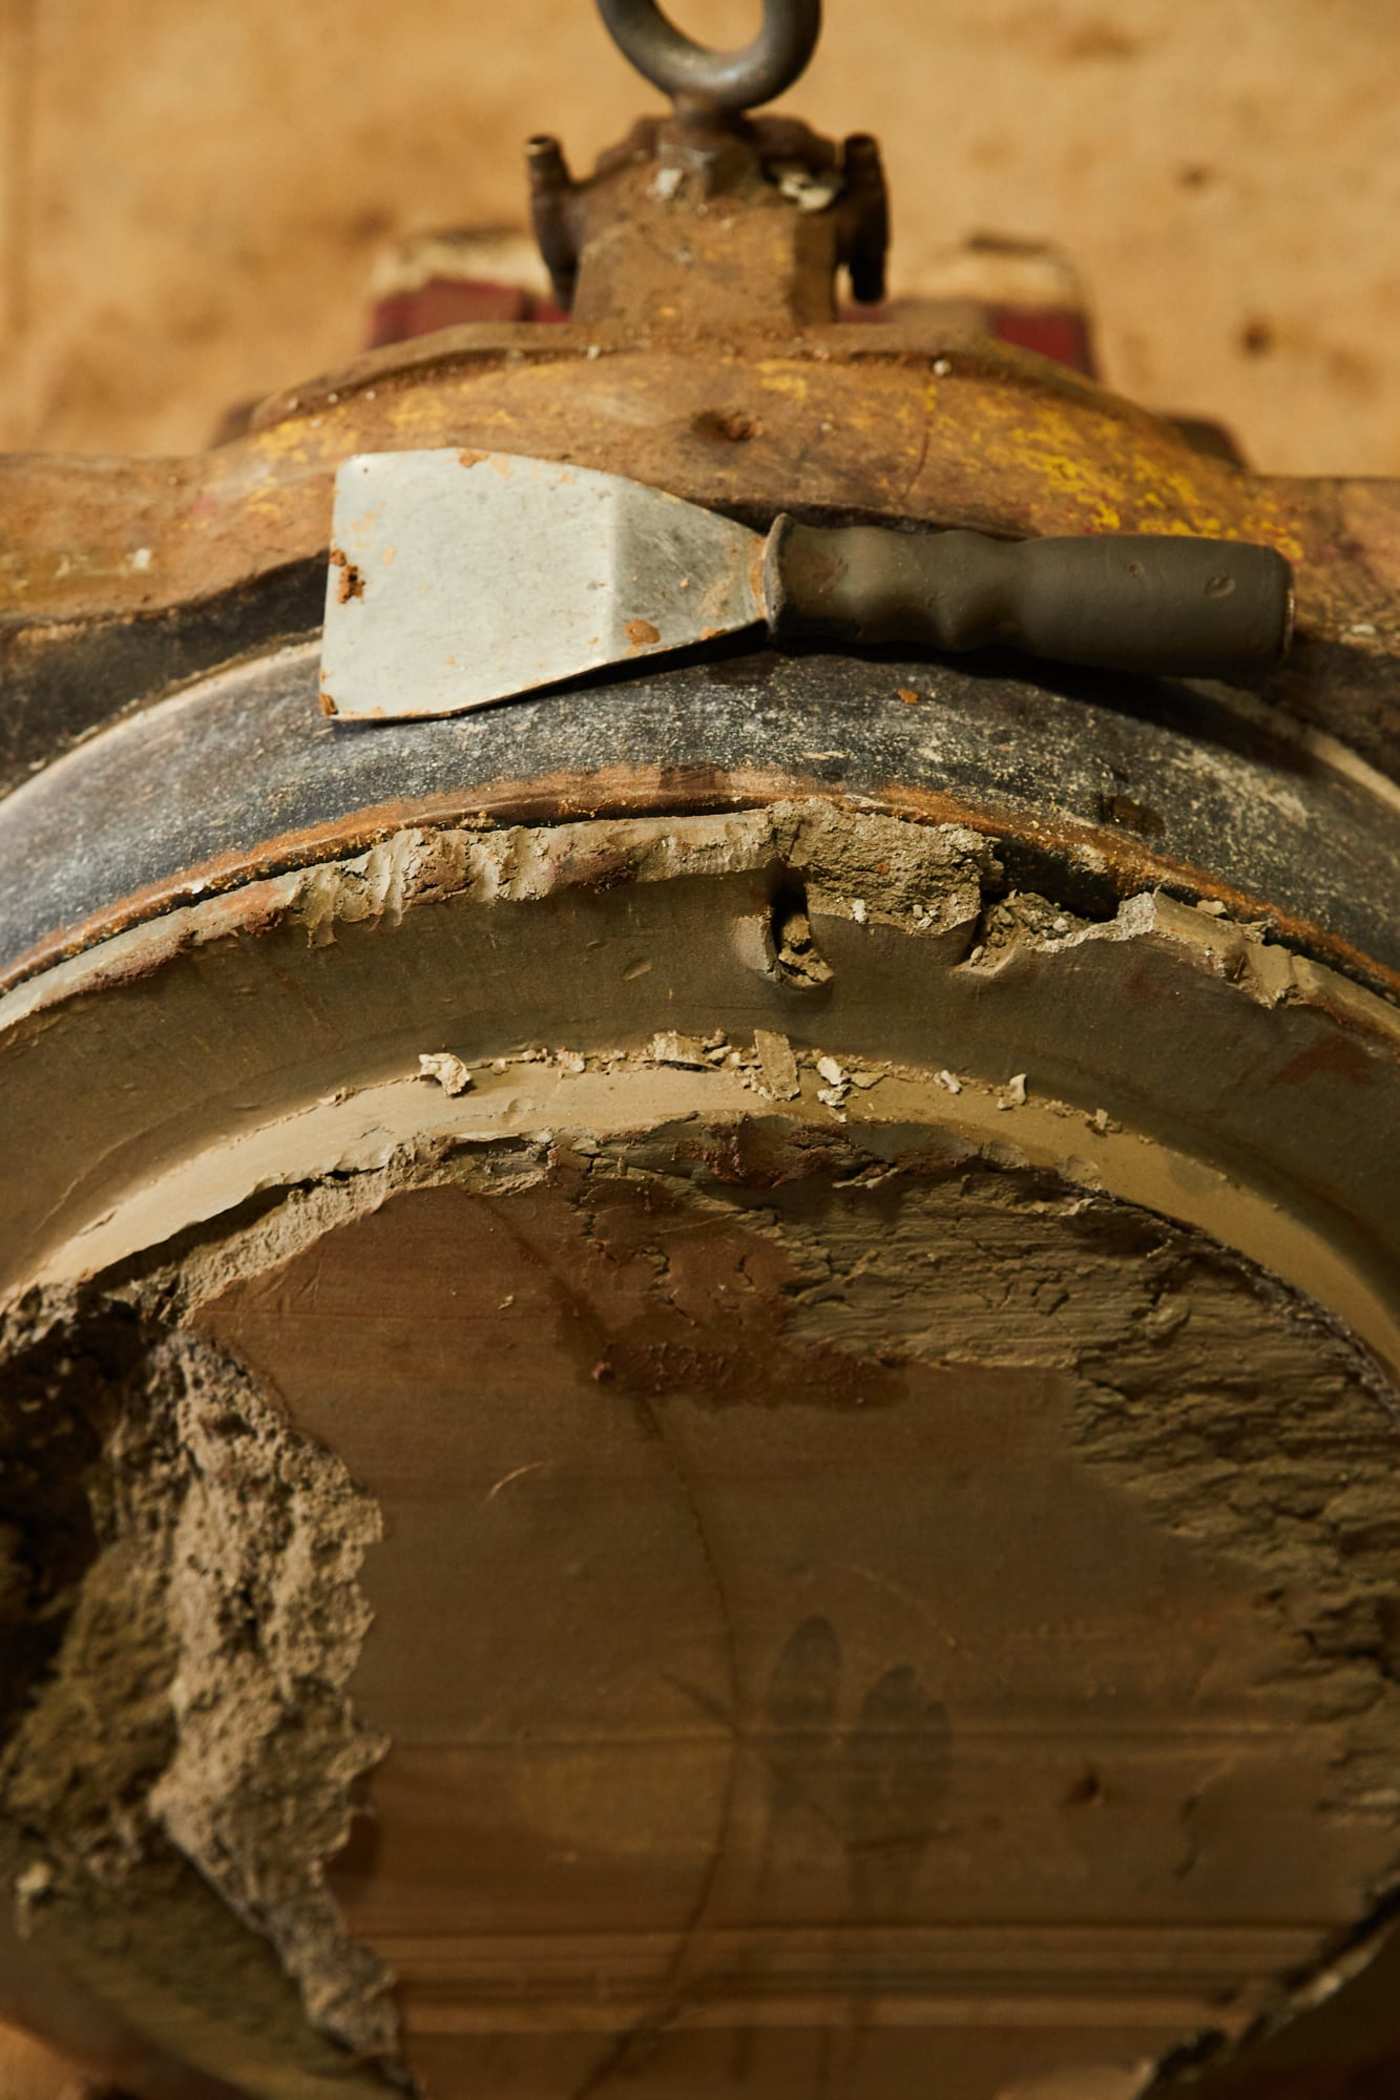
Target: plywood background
<point>192,192</point>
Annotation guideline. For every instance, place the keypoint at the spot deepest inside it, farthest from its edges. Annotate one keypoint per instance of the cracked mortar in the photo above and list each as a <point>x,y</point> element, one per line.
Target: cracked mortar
<point>1221,1402</point>
<point>1172,1341</point>
<point>183,1618</point>
<point>935,871</point>
<point>1227,1408</point>
<point>1228,1405</point>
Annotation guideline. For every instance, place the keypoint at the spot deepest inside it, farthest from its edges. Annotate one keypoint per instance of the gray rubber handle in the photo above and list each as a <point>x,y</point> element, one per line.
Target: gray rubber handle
<point>1157,604</point>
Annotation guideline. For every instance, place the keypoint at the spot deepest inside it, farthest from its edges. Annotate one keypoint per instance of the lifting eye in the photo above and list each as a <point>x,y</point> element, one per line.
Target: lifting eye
<point>725,80</point>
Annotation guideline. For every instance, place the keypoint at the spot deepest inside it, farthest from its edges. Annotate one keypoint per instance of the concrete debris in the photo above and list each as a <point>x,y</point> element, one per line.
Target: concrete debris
<point>154,1728</point>
<point>859,911</point>
<point>834,1093</point>
<point>777,1067</point>
<point>1025,917</point>
<point>1080,1299</point>
<point>798,955</point>
<point>449,1071</point>
<point>938,869</point>
<point>669,1047</point>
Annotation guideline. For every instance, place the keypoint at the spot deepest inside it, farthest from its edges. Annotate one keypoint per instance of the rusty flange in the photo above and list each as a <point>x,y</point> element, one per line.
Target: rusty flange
<point>119,584</point>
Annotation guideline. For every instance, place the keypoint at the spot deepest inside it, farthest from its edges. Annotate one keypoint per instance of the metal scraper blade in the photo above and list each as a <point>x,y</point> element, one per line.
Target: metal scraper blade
<point>459,578</point>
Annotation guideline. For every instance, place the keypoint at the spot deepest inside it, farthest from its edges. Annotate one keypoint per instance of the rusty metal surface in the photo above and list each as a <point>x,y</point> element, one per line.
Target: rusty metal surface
<point>706,218</point>
<point>1097,786</point>
<point>702,360</point>
<point>845,422</point>
<point>699,226</point>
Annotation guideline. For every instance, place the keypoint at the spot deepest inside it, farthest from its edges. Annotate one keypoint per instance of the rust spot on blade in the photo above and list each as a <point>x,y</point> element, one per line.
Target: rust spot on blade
<point>328,706</point>
<point>352,582</point>
<point>470,459</point>
<point>641,633</point>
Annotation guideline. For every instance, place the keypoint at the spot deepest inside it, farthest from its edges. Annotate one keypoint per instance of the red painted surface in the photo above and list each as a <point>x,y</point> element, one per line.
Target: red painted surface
<point>1061,333</point>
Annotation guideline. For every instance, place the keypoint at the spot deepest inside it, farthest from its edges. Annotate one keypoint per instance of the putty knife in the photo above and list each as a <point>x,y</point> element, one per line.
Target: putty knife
<point>459,578</point>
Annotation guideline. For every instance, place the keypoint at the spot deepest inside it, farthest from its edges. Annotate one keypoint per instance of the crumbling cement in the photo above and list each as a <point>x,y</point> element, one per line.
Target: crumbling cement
<point>184,1617</point>
<point>1245,1419</point>
<point>137,1496</point>
<point>934,874</point>
<point>913,950</point>
<point>1231,1407</point>
<point>1234,1408</point>
<point>211,1616</point>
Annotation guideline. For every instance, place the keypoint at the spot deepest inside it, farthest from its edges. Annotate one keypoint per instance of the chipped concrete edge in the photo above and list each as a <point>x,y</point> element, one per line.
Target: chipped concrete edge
<point>924,878</point>
<point>189,1700</point>
<point>1118,1430</point>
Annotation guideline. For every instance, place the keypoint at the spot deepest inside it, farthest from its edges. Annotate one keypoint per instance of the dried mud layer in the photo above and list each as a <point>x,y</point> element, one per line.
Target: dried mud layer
<point>180,1617</point>
<point>299,1366</point>
<point>184,1597</point>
